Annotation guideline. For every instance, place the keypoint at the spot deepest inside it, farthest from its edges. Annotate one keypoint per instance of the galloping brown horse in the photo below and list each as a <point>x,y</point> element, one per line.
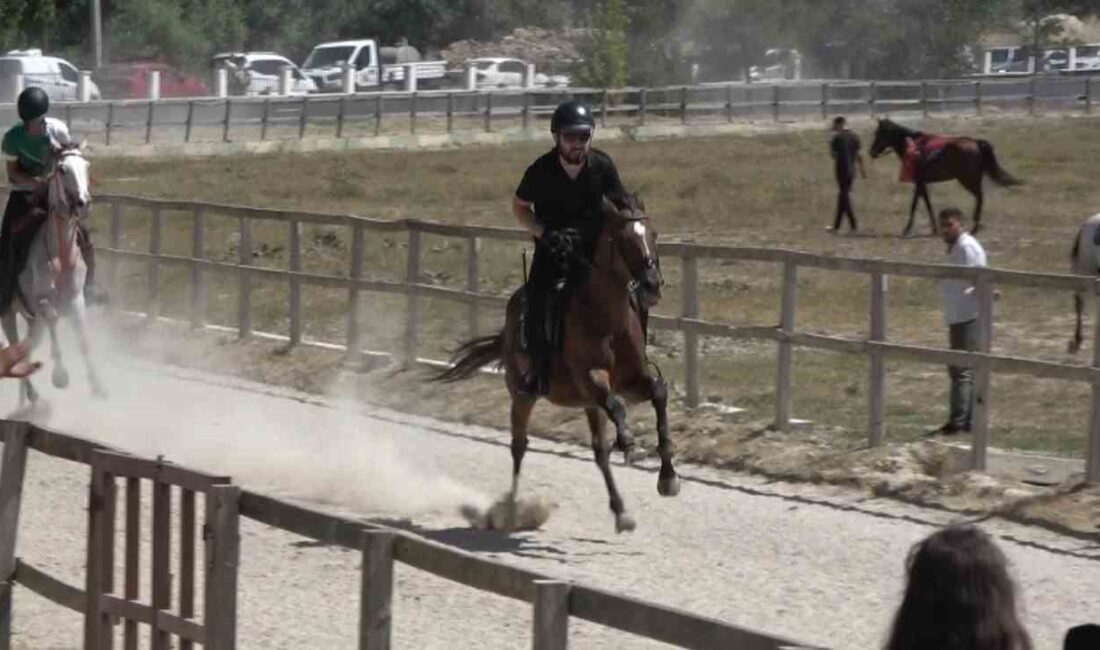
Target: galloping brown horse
<point>955,158</point>
<point>602,364</point>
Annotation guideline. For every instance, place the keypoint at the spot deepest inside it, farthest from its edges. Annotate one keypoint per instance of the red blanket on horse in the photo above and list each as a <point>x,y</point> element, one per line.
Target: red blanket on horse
<point>916,150</point>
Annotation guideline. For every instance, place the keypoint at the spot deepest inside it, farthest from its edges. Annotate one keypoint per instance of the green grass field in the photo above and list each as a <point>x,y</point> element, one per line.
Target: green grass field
<point>763,190</point>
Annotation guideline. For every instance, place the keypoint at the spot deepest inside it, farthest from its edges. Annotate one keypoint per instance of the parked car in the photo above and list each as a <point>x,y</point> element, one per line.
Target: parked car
<point>1008,59</point>
<point>374,67</point>
<point>500,72</point>
<point>1054,60</point>
<point>131,81</point>
<point>1088,57</point>
<point>257,73</point>
<point>778,63</point>
<point>58,77</point>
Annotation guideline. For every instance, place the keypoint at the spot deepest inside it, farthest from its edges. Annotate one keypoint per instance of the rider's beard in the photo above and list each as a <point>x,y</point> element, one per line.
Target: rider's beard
<point>573,155</point>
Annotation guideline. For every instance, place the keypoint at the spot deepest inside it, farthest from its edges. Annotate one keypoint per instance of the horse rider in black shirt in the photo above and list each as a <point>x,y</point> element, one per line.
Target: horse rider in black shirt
<point>560,202</point>
<point>846,157</point>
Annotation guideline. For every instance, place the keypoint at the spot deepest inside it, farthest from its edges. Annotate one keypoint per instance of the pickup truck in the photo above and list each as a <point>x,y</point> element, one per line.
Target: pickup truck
<point>374,67</point>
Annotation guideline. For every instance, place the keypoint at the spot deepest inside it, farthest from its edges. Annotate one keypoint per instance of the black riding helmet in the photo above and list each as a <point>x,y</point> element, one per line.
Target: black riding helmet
<point>572,117</point>
<point>33,103</point>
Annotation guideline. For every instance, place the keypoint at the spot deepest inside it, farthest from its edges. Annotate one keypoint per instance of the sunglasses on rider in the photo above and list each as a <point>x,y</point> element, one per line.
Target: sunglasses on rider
<point>582,136</point>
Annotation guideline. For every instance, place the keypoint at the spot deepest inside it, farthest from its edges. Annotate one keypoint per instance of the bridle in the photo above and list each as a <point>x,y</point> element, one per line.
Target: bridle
<point>650,260</point>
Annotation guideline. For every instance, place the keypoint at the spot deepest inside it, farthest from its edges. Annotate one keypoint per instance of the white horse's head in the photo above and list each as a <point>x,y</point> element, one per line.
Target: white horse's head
<point>69,187</point>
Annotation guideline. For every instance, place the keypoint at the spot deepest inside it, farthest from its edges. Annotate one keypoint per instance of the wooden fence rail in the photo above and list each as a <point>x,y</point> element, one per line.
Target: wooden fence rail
<point>243,118</point>
<point>786,335</point>
<point>554,602</point>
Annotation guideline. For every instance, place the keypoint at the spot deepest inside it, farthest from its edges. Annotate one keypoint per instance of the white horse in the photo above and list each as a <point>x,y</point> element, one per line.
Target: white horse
<point>52,283</point>
<point>1084,260</point>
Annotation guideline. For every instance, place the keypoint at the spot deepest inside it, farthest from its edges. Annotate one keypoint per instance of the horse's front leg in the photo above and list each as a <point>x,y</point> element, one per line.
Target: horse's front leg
<point>598,385</point>
<point>928,205</point>
<point>1078,305</point>
<point>80,325</point>
<point>668,483</point>
<point>27,391</point>
<point>912,210</point>
<point>60,375</point>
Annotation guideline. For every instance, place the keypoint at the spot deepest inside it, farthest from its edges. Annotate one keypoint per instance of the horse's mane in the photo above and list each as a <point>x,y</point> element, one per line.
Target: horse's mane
<point>904,131</point>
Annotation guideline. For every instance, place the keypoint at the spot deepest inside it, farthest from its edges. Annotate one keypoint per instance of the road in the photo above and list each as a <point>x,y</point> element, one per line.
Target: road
<point>816,563</point>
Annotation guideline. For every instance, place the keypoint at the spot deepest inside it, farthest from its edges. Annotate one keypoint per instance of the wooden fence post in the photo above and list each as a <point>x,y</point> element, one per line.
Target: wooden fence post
<point>978,96</point>
<point>775,102</point>
<point>190,121</point>
<point>412,112</point>
<point>244,279</point>
<point>341,113</point>
<point>198,278</point>
<point>228,119</point>
<point>187,558</point>
<point>378,114</point>
<point>877,383</point>
<point>871,89</point>
<point>264,117</point>
<point>116,240</point>
<point>683,104</point>
<point>12,471</point>
<point>825,100</point>
<point>355,272</point>
<point>786,326</point>
<point>152,309</point>
<point>99,568</point>
<point>1031,96</point>
<point>924,99</point>
<point>295,236</point>
<point>473,274</point>
<point>222,552</point>
<point>69,116</point>
<point>303,117</point>
<point>162,555</point>
<point>526,110</point>
<point>488,111</point>
<point>603,109</point>
<point>551,615</point>
<point>642,97</point>
<point>376,590</point>
<point>149,122</point>
<point>979,418</point>
<point>689,294</point>
<point>450,112</point>
<point>132,578</point>
<point>412,277</point>
<point>110,120</point>
<point>1092,460</point>
<point>729,103</point>
<point>1088,94</point>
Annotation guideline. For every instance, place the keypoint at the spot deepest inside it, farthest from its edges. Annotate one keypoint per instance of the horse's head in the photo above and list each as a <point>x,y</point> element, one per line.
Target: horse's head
<point>69,186</point>
<point>635,239</point>
<point>889,135</point>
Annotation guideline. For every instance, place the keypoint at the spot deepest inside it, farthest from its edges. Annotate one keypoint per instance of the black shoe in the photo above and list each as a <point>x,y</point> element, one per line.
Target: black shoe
<point>948,430</point>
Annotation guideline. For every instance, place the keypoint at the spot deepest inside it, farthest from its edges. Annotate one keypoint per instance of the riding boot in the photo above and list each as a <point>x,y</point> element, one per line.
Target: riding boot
<point>533,342</point>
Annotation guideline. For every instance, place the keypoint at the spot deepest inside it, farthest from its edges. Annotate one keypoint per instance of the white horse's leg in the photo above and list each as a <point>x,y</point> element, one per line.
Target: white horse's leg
<point>60,376</point>
<point>27,393</point>
<point>79,323</point>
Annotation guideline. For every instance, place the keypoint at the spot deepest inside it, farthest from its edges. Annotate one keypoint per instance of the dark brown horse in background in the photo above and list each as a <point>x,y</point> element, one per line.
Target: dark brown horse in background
<point>963,159</point>
<point>602,365</point>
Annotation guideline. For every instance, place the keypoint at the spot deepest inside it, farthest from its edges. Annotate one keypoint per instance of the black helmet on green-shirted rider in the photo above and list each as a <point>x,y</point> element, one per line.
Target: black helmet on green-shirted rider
<point>29,149</point>
<point>560,202</point>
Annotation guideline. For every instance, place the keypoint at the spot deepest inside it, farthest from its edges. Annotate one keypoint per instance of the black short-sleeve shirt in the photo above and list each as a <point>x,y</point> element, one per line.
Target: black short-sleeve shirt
<point>563,202</point>
<point>845,148</point>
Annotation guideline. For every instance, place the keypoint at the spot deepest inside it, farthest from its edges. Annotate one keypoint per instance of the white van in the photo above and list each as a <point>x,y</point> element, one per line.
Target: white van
<point>374,66</point>
<point>57,77</point>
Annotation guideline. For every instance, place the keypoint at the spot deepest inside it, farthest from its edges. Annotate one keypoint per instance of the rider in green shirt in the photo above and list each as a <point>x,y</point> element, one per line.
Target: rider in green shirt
<point>29,151</point>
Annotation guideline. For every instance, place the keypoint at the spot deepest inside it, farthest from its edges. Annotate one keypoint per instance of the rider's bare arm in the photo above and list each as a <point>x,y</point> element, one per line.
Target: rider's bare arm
<point>16,176</point>
<point>525,215</point>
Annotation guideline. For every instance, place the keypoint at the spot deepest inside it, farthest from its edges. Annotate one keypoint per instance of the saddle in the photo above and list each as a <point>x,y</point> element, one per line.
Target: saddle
<point>924,149</point>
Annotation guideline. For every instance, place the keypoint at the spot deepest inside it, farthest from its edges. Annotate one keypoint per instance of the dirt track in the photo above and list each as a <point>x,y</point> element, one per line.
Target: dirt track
<point>819,564</point>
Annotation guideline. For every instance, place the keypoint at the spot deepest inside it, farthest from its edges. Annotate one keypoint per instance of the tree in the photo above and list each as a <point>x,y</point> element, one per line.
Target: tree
<point>605,49</point>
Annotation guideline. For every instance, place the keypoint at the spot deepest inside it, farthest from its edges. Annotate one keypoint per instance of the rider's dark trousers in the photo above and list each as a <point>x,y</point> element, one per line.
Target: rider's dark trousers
<point>844,201</point>
<point>542,287</point>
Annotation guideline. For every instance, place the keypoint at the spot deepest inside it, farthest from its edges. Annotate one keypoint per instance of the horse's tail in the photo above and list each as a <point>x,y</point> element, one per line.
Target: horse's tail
<point>992,168</point>
<point>471,356</point>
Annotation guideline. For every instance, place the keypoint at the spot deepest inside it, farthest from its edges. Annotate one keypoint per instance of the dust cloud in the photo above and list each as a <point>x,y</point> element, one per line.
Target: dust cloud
<point>326,453</point>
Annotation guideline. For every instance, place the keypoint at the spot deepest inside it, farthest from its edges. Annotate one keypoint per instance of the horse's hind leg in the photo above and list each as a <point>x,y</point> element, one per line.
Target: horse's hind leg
<point>912,211</point>
<point>521,415</point>
<point>602,451</point>
<point>928,205</point>
<point>668,484</point>
<point>80,325</point>
<point>978,200</point>
<point>1078,305</point>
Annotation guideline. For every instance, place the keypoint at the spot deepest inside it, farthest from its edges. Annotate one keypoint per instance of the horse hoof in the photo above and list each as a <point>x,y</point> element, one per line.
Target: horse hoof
<point>60,378</point>
<point>668,487</point>
<point>624,523</point>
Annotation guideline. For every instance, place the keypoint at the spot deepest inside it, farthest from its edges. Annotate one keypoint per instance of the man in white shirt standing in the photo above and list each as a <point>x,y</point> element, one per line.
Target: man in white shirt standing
<point>960,311</point>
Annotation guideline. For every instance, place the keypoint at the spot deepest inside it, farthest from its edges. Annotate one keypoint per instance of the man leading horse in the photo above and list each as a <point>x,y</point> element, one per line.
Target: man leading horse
<point>31,150</point>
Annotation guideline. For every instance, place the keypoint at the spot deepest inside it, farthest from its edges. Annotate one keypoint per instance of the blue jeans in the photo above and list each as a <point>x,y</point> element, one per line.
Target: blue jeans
<point>963,336</point>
